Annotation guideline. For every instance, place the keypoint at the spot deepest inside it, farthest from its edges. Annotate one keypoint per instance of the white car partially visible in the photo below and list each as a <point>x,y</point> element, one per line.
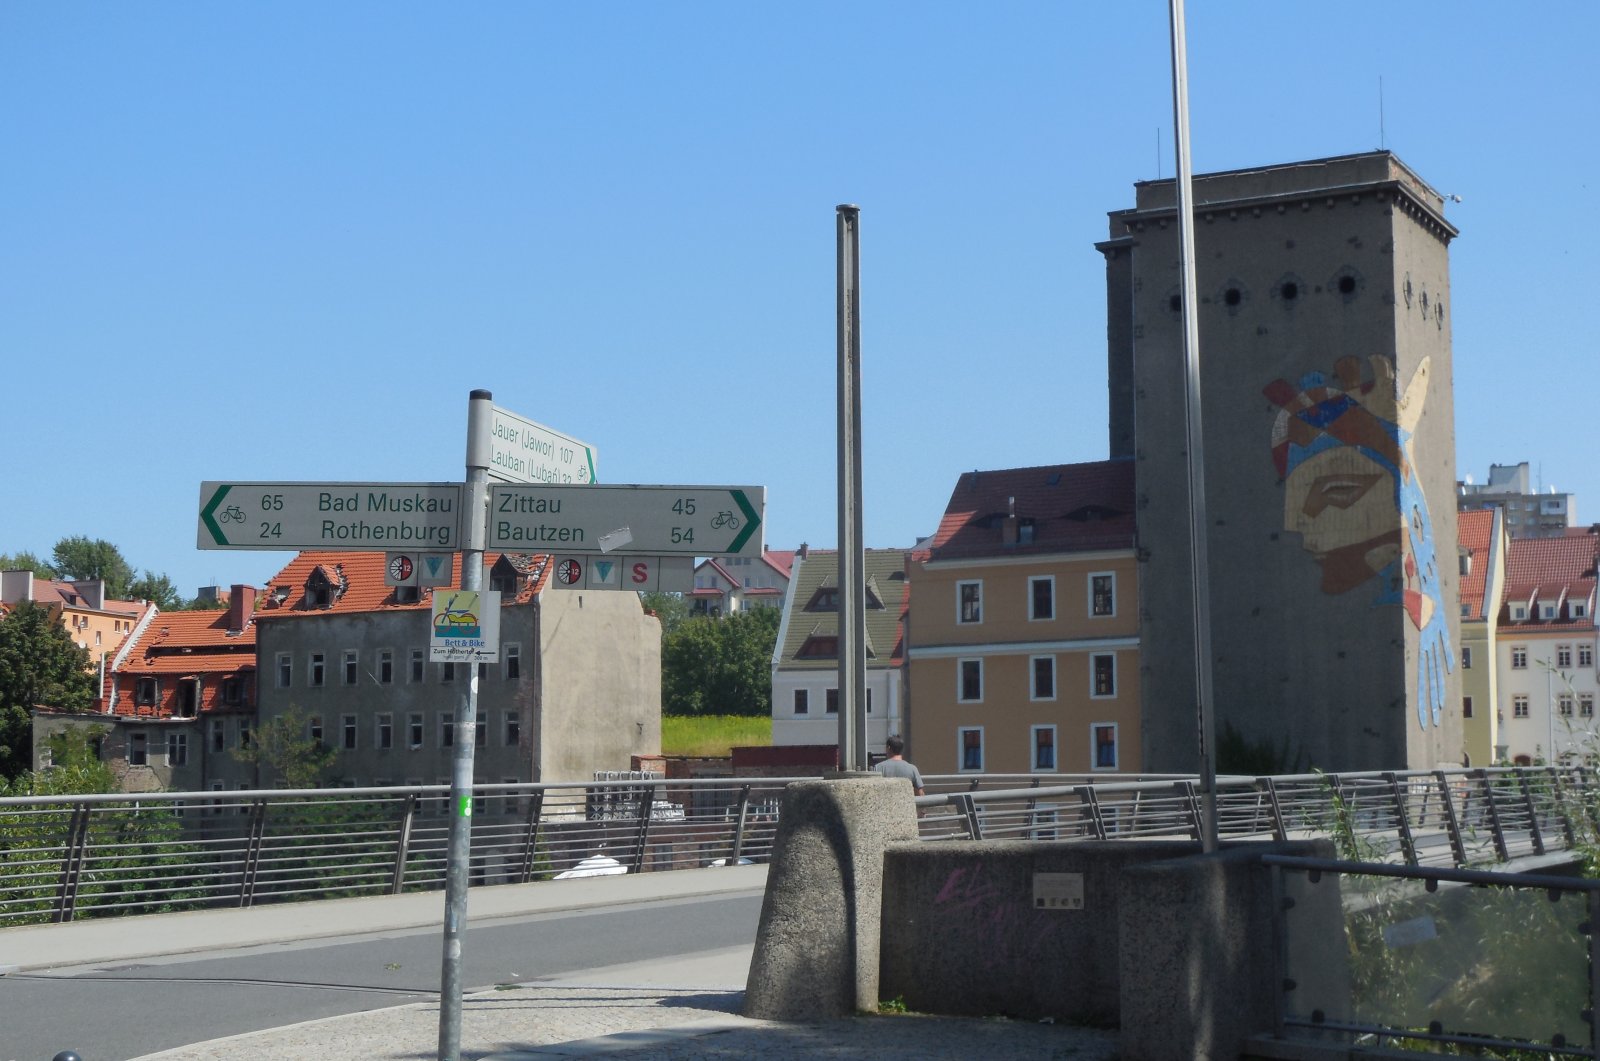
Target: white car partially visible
<point>594,866</point>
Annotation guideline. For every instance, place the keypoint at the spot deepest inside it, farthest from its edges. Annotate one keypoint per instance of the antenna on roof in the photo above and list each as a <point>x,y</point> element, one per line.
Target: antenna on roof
<point>1382,142</point>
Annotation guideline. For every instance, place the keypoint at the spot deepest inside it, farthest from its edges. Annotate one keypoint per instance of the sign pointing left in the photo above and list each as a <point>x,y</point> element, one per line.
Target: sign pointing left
<point>346,517</point>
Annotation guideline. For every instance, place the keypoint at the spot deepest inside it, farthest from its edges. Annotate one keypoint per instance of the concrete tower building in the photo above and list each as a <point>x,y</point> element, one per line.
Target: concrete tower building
<point>1329,451</point>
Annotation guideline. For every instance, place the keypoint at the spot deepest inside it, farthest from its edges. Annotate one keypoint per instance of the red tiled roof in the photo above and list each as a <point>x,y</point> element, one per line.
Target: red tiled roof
<point>1073,507</point>
<point>1553,570</point>
<point>780,560</point>
<point>362,575</point>
<point>1472,533</point>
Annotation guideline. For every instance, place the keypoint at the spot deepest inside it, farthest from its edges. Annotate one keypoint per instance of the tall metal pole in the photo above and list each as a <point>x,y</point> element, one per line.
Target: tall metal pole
<point>852,556</point>
<point>473,527</point>
<point>1200,568</point>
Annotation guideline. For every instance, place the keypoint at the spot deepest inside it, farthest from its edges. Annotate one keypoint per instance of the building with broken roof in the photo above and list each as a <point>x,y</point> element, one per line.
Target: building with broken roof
<point>577,688</point>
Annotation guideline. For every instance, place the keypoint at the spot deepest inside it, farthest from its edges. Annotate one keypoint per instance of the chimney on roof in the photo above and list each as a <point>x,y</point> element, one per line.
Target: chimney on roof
<point>1009,535</point>
<point>93,593</point>
<point>241,607</point>
<point>16,586</point>
<point>803,551</point>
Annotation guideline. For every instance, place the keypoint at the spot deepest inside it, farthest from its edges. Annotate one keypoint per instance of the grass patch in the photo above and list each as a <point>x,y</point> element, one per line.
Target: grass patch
<point>713,735</point>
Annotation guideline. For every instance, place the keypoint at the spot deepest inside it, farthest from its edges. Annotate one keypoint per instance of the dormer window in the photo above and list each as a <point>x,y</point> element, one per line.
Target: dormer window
<point>1519,613</point>
<point>1547,611</point>
<point>819,647</point>
<point>1578,609</point>
<point>145,691</point>
<point>825,599</point>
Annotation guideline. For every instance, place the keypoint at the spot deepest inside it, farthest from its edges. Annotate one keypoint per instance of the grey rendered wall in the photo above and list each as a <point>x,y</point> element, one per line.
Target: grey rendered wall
<point>399,631</point>
<point>1325,679</point>
<point>600,683</point>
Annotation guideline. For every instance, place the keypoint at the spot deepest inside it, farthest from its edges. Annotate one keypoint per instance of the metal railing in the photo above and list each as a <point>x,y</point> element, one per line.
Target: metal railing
<point>69,857</point>
<point>1461,818</point>
<point>1374,956</point>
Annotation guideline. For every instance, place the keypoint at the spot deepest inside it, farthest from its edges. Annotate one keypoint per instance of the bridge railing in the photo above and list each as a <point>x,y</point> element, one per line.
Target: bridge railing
<point>1461,818</point>
<point>68,857</point>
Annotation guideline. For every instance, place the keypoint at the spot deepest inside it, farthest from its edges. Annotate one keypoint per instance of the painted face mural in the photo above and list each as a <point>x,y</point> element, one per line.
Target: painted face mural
<point>1343,449</point>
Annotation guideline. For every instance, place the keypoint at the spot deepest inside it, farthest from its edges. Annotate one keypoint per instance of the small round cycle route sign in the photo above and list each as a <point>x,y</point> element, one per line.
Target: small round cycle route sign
<point>569,572</point>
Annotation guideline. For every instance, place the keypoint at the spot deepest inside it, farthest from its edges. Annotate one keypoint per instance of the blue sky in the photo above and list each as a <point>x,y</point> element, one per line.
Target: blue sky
<point>284,241</point>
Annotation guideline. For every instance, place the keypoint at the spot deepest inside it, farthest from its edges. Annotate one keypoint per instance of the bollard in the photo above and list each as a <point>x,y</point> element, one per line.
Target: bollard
<point>67,1055</point>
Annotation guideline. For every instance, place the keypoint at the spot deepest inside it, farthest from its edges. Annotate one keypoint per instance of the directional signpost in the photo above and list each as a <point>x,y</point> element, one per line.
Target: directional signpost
<point>521,451</point>
<point>546,501</point>
<point>347,517</point>
<point>649,520</point>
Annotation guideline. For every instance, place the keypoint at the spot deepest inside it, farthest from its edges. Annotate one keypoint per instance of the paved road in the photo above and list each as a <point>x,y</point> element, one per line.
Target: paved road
<point>125,1008</point>
<point>642,1000</point>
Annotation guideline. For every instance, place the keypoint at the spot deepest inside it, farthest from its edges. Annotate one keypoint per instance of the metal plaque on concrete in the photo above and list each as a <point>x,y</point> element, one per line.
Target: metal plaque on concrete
<point>1058,891</point>
<point>435,569</point>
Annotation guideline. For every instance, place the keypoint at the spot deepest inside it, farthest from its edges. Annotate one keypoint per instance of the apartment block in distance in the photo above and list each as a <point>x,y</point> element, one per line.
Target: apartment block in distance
<point>1023,641</point>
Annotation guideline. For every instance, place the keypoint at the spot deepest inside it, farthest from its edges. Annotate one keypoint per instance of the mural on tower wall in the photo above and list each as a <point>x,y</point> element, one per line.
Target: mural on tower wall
<point>1342,447</point>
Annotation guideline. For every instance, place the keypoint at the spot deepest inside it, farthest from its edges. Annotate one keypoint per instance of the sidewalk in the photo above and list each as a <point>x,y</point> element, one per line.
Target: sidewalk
<point>682,1008</point>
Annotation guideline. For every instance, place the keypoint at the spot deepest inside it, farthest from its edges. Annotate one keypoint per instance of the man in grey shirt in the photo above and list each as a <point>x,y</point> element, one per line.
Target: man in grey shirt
<point>896,766</point>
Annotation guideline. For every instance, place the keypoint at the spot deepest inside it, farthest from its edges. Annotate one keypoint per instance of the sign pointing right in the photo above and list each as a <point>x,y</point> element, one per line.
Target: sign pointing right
<point>659,520</point>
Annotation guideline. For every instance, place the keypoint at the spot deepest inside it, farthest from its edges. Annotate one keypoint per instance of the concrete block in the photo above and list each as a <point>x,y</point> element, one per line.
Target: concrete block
<point>1198,952</point>
<point>816,953</point>
<point>992,928</point>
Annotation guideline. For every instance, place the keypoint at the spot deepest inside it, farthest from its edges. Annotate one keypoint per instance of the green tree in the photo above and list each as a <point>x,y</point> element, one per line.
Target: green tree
<point>26,561</point>
<point>83,560</point>
<point>158,590</point>
<point>39,667</point>
<point>720,666</point>
<point>286,746</point>
<point>670,608</point>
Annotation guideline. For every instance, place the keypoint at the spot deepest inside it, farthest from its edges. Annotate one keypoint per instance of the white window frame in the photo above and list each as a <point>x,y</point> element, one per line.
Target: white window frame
<point>381,721</point>
<point>1088,604</point>
<point>417,667</point>
<point>1034,580</point>
<point>1033,749</point>
<point>510,720</point>
<point>1519,613</point>
<point>1094,747</point>
<point>416,731</point>
<point>1112,695</point>
<point>1585,655</point>
<point>1033,678</point>
<point>961,682</point>
<point>216,734</point>
<point>510,661</point>
<point>138,738</point>
<point>177,749</point>
<point>961,620</point>
<point>1564,656</point>
<point>349,732</point>
<point>316,670</point>
<point>285,670</point>
<point>385,666</point>
<point>961,750</point>
<point>350,667</point>
<point>1519,706</point>
<point>1519,657</point>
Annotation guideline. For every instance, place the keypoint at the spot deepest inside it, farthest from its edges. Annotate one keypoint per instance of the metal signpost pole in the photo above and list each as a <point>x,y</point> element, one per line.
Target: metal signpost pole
<point>473,530</point>
<point>1200,565</point>
<point>852,559</point>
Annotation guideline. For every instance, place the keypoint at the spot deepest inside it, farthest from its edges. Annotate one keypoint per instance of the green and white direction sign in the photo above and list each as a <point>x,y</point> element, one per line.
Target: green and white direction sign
<point>521,451</point>
<point>348,517</point>
<point>627,520</point>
